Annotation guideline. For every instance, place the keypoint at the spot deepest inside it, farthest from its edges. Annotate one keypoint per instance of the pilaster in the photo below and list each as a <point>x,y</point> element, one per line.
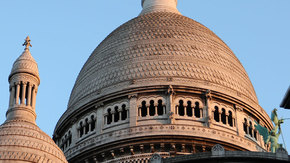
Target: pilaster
<point>133,110</point>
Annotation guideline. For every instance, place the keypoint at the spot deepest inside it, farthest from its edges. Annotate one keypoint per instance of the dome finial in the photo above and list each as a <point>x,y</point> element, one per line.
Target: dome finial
<point>27,43</point>
<point>150,6</point>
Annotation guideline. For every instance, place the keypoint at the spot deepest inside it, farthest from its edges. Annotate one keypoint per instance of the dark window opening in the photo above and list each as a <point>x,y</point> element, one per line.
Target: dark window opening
<point>181,108</point>
<point>87,127</point>
<point>251,129</point>
<point>216,114</point>
<point>245,126</point>
<point>93,124</point>
<point>151,108</point>
<point>197,110</point>
<point>124,112</point>
<point>160,108</point>
<point>116,114</point>
<point>223,116</point>
<point>109,118</point>
<point>81,129</point>
<point>20,93</point>
<point>143,109</point>
<point>230,118</point>
<point>189,109</point>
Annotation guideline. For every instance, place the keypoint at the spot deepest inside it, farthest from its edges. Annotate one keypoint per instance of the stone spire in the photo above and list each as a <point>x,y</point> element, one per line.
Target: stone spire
<point>24,81</point>
<point>150,6</point>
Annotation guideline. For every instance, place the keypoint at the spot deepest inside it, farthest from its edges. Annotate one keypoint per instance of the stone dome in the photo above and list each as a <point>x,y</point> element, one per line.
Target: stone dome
<point>161,48</point>
<point>160,83</point>
<point>25,63</point>
<point>24,141</point>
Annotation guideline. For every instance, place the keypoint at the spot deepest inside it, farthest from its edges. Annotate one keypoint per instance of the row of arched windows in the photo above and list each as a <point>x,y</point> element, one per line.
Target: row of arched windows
<point>86,126</point>
<point>116,114</point>
<point>224,116</point>
<point>249,129</point>
<point>153,108</point>
<point>189,109</point>
<point>66,141</point>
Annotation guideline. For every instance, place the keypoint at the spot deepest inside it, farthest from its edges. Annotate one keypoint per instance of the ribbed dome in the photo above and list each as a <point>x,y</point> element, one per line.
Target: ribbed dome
<point>24,141</point>
<point>25,63</point>
<point>161,48</point>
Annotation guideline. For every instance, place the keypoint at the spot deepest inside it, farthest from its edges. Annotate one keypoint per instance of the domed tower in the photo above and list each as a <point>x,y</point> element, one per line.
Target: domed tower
<point>160,83</point>
<point>21,140</point>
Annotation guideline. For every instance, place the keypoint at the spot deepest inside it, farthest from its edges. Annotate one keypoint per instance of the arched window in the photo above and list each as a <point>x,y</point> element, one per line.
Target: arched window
<point>109,118</point>
<point>143,109</point>
<point>223,116</point>
<point>87,127</point>
<point>255,134</point>
<point>216,114</point>
<point>151,108</point>
<point>189,109</point>
<point>93,124</point>
<point>181,108</point>
<point>160,108</point>
<point>245,126</point>
<point>116,114</point>
<point>197,110</point>
<point>81,129</point>
<point>230,118</point>
<point>124,112</point>
<point>251,129</point>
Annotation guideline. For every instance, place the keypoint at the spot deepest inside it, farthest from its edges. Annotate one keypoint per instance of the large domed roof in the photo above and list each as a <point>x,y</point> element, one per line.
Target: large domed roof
<point>161,48</point>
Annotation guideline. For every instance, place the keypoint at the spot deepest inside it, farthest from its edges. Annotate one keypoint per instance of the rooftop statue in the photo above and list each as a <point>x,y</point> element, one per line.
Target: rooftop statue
<point>272,136</point>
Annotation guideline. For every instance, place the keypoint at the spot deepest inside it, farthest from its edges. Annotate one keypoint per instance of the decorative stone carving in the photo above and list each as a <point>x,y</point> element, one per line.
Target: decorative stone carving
<point>218,150</point>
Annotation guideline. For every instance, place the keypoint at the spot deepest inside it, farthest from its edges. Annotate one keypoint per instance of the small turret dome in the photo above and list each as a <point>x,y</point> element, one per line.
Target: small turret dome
<point>25,63</point>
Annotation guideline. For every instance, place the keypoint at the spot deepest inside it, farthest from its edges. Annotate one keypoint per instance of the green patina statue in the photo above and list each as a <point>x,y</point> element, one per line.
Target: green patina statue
<point>273,135</point>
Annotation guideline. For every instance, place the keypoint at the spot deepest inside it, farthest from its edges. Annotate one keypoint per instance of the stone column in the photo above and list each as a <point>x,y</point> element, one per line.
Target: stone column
<point>100,119</point>
<point>12,95</point>
<point>113,116</point>
<point>156,111</point>
<point>29,95</point>
<point>170,105</point>
<point>84,127</point>
<point>227,118</point>
<point>220,115</point>
<point>239,120</point>
<point>17,93</point>
<point>74,132</point>
<point>148,111</point>
<point>120,113</point>
<point>23,93</point>
<point>105,118</point>
<point>185,109</point>
<point>34,91</point>
<point>90,124</point>
<point>132,111</point>
<point>206,110</point>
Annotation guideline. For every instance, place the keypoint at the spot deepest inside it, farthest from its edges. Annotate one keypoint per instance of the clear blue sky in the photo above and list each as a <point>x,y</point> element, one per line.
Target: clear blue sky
<point>64,33</point>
